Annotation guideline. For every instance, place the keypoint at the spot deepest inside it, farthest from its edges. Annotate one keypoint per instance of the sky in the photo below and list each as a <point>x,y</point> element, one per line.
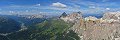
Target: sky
<point>56,7</point>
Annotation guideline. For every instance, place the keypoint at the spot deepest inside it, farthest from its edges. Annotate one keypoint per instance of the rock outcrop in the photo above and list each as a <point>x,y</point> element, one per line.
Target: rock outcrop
<point>111,15</point>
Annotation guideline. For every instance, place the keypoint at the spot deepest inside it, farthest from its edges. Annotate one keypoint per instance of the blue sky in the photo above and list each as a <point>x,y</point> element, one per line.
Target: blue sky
<point>56,7</point>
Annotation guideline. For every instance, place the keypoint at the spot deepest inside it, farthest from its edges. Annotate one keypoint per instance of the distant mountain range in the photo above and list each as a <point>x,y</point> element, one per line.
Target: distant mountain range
<point>27,19</point>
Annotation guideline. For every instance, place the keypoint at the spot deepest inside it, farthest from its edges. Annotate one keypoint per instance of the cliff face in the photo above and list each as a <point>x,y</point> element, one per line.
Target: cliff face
<point>96,30</point>
<point>91,28</point>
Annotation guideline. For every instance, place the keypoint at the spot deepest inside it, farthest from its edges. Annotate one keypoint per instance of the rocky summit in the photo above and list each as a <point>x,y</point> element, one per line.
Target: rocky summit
<point>92,28</point>
<point>72,18</point>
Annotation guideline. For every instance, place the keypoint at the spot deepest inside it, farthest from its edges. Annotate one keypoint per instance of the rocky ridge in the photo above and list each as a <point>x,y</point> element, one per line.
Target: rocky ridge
<point>92,28</point>
<point>72,18</point>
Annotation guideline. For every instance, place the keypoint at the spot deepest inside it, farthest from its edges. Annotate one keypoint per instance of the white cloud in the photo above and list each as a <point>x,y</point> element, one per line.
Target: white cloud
<point>11,11</point>
<point>58,4</point>
<point>37,4</point>
<point>92,7</point>
<point>107,8</point>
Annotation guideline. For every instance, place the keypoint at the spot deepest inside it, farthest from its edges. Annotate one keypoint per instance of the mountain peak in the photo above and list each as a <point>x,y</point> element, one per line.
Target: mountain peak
<point>63,14</point>
<point>79,12</point>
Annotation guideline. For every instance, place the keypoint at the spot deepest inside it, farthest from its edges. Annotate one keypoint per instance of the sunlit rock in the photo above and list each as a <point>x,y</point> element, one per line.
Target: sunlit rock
<point>90,18</point>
